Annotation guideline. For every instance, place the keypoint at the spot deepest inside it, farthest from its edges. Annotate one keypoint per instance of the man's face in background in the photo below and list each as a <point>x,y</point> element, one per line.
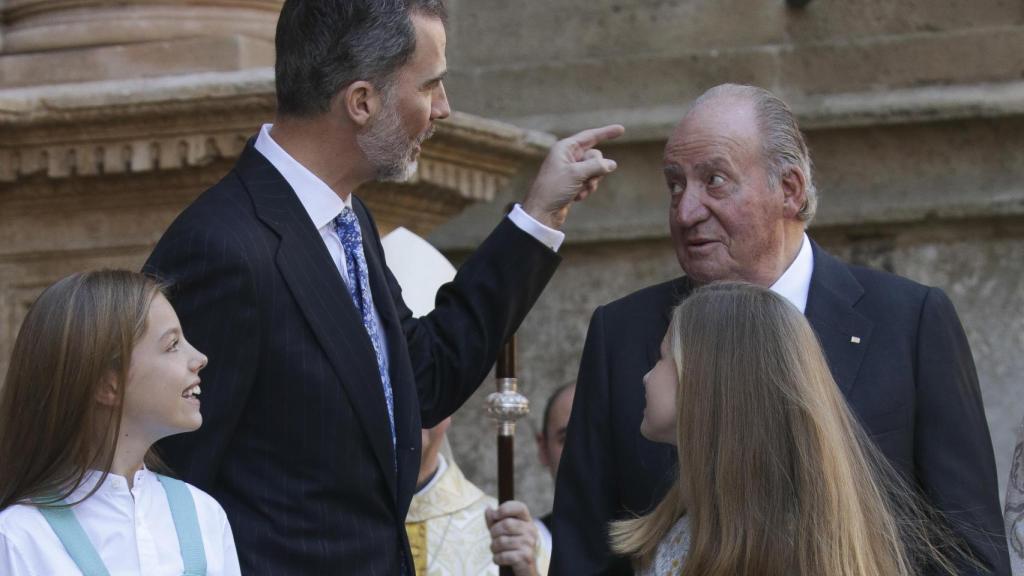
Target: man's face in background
<point>551,440</point>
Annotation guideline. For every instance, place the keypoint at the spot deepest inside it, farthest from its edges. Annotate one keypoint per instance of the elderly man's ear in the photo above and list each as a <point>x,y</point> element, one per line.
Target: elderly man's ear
<point>794,190</point>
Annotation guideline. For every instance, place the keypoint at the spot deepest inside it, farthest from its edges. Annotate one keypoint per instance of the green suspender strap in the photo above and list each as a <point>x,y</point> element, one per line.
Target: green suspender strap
<point>186,524</point>
<point>75,541</point>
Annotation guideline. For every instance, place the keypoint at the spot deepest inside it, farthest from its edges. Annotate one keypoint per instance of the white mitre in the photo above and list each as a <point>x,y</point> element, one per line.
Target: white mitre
<point>419,268</point>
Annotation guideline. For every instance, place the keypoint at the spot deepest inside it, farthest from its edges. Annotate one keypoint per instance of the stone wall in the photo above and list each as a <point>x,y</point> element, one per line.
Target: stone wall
<point>914,112</point>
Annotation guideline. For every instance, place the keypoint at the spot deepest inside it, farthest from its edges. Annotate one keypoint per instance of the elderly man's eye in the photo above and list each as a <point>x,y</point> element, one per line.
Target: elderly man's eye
<point>675,188</point>
<point>716,180</point>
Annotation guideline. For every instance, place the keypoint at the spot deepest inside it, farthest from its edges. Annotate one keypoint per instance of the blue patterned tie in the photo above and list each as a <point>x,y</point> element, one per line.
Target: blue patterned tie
<point>347,227</point>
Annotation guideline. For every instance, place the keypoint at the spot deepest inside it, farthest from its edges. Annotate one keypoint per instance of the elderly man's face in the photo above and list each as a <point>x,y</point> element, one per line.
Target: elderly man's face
<point>727,222</point>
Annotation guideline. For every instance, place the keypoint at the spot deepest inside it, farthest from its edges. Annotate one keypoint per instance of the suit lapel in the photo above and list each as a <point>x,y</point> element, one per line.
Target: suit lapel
<point>323,298</point>
<point>403,384</point>
<point>843,332</point>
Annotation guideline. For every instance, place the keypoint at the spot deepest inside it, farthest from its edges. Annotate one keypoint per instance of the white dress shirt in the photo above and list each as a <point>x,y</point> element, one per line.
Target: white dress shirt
<point>131,529</point>
<point>795,282</point>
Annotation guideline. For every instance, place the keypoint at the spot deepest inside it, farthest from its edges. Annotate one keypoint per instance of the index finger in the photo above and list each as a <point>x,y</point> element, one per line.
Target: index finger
<point>592,137</point>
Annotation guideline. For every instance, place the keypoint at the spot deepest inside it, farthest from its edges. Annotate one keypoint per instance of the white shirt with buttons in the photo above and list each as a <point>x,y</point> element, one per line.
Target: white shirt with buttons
<point>131,530</point>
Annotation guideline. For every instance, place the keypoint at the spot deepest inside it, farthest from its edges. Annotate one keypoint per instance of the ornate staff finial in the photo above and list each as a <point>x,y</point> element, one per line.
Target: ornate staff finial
<point>507,405</point>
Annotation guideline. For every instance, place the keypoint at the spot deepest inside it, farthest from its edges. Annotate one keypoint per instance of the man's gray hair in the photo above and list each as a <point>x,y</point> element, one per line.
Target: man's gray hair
<point>322,46</point>
<point>783,143</point>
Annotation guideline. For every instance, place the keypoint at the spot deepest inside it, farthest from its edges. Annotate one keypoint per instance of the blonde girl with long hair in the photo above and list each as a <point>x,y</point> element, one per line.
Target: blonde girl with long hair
<point>100,371</point>
<point>776,477</point>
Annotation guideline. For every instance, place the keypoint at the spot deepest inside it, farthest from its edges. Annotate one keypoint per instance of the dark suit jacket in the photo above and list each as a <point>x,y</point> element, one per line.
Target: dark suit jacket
<point>911,382</point>
<point>295,442</point>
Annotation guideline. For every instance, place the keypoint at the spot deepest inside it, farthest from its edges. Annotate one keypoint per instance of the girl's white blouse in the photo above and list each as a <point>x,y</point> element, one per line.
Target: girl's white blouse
<point>131,529</point>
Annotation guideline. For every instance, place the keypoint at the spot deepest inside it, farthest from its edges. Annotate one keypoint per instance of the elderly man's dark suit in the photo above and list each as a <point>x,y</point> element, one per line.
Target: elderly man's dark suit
<point>295,442</point>
<point>910,380</point>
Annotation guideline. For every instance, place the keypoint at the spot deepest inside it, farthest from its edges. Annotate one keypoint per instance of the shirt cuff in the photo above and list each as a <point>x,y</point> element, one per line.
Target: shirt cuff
<point>547,236</point>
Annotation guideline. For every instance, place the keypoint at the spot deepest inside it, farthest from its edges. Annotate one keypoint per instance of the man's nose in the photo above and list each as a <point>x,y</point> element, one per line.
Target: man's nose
<point>439,107</point>
<point>690,210</point>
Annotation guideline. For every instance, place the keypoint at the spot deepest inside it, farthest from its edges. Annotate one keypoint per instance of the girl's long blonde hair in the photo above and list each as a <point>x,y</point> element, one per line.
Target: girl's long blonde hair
<point>78,334</point>
<point>777,477</point>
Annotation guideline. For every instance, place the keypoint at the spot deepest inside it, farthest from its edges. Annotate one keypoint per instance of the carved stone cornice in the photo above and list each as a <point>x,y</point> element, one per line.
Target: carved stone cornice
<point>46,25</point>
<point>90,131</point>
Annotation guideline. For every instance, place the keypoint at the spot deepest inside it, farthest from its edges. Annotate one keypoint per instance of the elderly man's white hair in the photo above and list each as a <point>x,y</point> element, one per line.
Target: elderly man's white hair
<point>782,142</point>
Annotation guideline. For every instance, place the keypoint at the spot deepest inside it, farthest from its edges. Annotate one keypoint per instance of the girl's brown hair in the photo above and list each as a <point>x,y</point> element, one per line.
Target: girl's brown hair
<point>76,337</point>
<point>776,475</point>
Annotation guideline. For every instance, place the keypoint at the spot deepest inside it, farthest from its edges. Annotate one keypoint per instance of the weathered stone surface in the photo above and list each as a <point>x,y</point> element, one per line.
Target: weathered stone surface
<point>555,67</point>
<point>538,32</point>
<point>139,60</point>
<point>40,25</point>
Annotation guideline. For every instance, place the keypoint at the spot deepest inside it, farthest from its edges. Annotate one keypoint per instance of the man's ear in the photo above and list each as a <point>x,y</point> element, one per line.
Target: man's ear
<point>794,191</point>
<point>106,394</point>
<point>359,101</point>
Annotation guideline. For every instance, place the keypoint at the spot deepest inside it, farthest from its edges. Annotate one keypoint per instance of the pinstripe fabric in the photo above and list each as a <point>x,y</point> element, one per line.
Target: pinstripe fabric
<point>295,442</point>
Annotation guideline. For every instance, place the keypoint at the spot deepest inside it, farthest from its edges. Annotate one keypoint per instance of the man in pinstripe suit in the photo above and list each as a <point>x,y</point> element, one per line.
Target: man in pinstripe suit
<point>319,378</point>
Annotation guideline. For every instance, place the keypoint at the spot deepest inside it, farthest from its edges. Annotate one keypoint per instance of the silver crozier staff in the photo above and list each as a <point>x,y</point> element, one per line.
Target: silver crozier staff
<point>506,406</point>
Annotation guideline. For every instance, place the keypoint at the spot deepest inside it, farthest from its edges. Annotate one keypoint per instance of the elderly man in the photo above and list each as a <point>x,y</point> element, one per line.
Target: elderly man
<point>320,378</point>
<point>741,194</point>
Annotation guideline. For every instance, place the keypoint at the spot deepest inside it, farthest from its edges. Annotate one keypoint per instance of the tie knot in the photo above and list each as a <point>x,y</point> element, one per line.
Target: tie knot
<point>348,228</point>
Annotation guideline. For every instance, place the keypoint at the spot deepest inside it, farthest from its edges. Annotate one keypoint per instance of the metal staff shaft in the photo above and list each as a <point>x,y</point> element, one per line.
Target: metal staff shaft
<point>506,406</point>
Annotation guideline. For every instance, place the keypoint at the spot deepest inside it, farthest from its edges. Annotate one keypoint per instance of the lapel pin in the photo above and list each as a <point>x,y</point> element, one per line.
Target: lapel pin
<point>855,339</point>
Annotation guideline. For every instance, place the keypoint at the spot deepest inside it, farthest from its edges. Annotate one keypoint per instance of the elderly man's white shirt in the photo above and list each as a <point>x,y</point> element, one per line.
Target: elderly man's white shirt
<point>795,282</point>
<point>131,529</point>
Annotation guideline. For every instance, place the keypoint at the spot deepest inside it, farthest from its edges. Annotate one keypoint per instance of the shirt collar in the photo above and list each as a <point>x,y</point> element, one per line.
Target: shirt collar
<point>112,483</point>
<point>795,282</point>
<point>320,202</point>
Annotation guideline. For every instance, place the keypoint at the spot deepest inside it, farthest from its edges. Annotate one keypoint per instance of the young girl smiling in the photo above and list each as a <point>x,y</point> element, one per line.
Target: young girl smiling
<point>100,371</point>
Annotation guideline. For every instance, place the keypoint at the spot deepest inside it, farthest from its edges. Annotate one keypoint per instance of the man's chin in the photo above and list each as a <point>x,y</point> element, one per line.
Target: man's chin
<point>402,173</point>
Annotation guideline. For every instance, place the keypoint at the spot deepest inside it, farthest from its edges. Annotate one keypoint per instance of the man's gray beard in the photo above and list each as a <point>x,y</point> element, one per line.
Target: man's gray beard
<point>387,147</point>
